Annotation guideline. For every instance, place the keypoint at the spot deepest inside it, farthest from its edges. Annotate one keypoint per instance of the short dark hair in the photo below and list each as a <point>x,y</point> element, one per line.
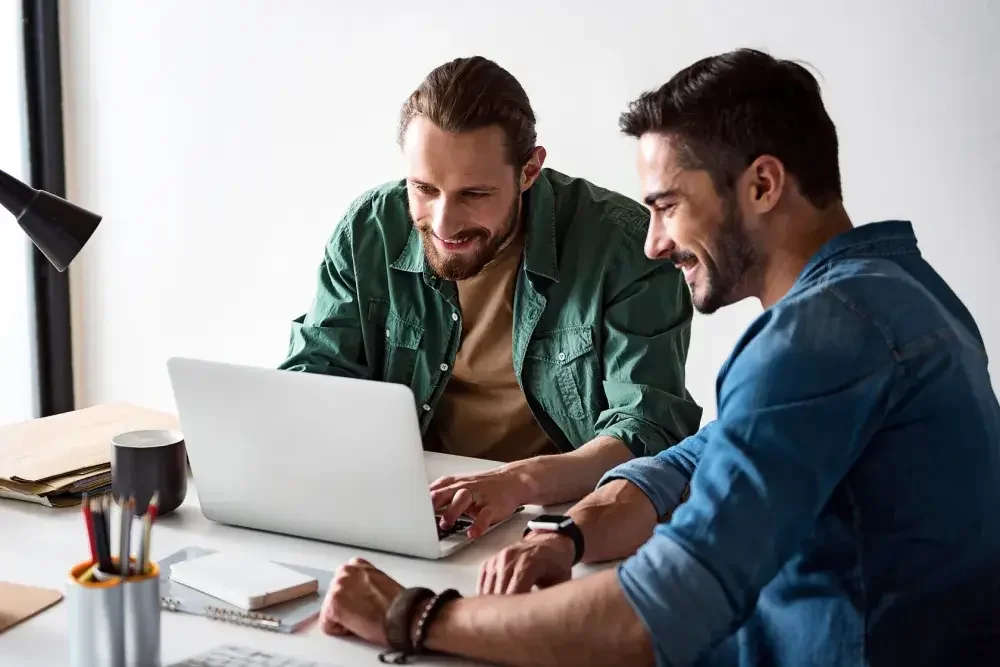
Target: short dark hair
<point>471,93</point>
<point>725,111</point>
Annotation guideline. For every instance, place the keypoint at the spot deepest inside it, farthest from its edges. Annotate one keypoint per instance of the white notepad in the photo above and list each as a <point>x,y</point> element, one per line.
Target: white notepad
<point>247,583</point>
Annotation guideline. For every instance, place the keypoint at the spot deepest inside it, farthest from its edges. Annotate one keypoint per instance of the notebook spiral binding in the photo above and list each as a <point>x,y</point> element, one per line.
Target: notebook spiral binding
<point>248,618</point>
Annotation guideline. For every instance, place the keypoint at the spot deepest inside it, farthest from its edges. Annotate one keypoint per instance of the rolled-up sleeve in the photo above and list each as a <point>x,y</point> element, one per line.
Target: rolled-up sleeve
<point>796,407</point>
<point>663,477</point>
<point>646,331</point>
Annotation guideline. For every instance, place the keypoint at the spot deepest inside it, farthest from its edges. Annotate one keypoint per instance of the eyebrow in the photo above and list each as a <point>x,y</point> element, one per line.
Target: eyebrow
<point>653,197</point>
<point>479,188</point>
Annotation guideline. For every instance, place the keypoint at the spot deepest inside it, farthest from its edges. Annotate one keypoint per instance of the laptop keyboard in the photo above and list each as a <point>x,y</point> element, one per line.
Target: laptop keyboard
<point>460,527</point>
<point>244,656</point>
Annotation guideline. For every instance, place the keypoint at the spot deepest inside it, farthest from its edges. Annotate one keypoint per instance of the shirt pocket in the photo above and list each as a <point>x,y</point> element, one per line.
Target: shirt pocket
<point>402,343</point>
<point>568,372</point>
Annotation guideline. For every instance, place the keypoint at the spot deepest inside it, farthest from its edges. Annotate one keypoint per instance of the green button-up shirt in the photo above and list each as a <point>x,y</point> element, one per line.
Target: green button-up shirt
<point>600,332</point>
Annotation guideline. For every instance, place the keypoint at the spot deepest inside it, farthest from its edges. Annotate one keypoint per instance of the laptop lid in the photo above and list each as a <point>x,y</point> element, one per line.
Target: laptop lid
<point>334,459</point>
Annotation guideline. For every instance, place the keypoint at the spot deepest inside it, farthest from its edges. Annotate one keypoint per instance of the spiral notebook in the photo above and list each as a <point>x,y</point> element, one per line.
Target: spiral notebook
<point>285,617</point>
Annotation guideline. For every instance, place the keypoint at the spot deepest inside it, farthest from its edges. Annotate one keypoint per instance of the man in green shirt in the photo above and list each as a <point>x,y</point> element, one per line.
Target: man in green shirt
<point>515,301</point>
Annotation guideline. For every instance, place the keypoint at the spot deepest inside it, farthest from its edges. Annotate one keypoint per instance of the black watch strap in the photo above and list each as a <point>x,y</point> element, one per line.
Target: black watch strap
<point>571,531</point>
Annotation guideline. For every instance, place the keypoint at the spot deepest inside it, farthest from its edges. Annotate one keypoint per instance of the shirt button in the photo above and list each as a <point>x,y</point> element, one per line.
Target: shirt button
<point>425,407</point>
<point>444,367</point>
<point>561,356</point>
<point>454,317</point>
<point>386,333</point>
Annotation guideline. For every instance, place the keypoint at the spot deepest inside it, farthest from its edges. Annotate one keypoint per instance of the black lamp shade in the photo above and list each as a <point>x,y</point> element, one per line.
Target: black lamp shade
<point>58,228</point>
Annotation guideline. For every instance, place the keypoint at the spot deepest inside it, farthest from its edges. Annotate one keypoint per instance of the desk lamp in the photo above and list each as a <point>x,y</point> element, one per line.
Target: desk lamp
<point>58,228</point>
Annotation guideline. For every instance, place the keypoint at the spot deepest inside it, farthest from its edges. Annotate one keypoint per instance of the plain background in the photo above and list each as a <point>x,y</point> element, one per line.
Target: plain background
<point>18,387</point>
<point>223,140</point>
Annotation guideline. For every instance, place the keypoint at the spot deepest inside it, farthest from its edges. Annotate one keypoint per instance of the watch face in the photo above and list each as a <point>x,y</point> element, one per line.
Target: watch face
<point>550,522</point>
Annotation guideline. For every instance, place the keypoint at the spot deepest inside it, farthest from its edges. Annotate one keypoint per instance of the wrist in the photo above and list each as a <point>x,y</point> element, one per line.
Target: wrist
<point>428,614</point>
<point>435,634</point>
<point>415,619</point>
<point>526,480</point>
<point>557,542</point>
<point>563,526</point>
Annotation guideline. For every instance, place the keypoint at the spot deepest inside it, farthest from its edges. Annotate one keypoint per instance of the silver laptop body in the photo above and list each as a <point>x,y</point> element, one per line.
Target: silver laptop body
<point>328,458</point>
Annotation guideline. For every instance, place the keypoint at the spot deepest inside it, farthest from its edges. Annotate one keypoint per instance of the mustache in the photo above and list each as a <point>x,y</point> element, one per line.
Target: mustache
<point>465,235</point>
<point>680,257</point>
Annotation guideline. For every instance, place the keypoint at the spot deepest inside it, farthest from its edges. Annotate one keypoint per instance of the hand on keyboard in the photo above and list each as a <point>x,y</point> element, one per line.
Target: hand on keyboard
<point>487,497</point>
<point>458,527</point>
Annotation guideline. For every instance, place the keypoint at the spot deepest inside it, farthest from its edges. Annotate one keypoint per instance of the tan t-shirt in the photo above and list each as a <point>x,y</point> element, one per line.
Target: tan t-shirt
<point>483,412</point>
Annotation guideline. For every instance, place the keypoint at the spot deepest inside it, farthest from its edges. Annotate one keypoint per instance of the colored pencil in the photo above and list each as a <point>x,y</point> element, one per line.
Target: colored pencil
<point>88,519</point>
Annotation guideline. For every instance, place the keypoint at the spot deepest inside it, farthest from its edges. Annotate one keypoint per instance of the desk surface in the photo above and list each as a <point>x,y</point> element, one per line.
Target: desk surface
<point>38,545</point>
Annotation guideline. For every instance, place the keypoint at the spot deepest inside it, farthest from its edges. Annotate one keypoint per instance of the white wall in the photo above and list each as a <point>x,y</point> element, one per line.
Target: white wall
<point>222,141</point>
<point>18,395</point>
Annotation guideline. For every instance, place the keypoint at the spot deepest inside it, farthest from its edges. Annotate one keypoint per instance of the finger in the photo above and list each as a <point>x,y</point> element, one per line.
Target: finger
<point>504,571</point>
<point>482,522</point>
<point>441,497</point>
<point>520,580</point>
<point>484,574</point>
<point>334,628</point>
<point>442,482</point>
<point>459,504</point>
<point>491,574</point>
<point>329,623</point>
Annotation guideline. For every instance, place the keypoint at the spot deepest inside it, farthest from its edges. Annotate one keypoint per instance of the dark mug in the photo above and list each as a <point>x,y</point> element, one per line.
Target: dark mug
<point>144,462</point>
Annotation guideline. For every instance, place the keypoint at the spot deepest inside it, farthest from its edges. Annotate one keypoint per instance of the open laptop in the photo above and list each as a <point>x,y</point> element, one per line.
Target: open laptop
<point>328,458</point>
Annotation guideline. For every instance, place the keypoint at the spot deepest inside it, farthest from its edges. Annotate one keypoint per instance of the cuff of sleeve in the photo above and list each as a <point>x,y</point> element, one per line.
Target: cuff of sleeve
<point>681,604</point>
<point>641,437</point>
<point>662,483</point>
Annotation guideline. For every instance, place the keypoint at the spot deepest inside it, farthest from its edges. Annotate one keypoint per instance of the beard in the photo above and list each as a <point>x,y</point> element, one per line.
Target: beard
<point>724,281</point>
<point>461,266</point>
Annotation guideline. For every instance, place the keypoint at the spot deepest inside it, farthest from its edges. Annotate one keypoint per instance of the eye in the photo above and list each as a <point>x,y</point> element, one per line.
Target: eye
<point>424,189</point>
<point>666,207</point>
<point>475,194</point>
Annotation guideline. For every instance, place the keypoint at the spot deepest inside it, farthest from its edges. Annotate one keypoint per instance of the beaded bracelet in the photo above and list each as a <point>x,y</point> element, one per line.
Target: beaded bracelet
<point>431,612</point>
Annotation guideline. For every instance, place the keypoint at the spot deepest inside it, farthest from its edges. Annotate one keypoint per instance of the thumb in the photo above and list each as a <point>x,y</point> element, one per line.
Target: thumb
<point>334,629</point>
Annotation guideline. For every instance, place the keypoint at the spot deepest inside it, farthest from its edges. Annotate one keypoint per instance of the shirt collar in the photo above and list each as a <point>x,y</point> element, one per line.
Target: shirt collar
<point>876,239</point>
<point>540,255</point>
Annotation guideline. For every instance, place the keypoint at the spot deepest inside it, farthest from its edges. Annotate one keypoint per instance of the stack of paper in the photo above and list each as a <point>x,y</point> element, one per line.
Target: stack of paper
<point>55,460</point>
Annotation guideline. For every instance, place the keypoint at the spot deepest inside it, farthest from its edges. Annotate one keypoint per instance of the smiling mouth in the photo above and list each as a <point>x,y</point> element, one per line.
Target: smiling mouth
<point>688,269</point>
<point>454,245</point>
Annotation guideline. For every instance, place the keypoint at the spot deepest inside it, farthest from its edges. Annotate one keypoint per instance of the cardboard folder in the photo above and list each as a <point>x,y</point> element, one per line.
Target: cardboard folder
<point>19,603</point>
<point>53,461</point>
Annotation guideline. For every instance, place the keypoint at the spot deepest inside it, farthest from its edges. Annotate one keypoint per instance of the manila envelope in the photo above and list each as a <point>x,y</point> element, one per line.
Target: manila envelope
<point>19,603</point>
<point>55,447</point>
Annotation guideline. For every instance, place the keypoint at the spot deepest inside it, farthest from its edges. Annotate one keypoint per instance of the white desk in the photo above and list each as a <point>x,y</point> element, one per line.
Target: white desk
<point>38,545</point>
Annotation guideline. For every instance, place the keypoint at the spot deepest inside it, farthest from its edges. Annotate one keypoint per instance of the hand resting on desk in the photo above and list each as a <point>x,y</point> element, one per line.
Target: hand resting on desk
<point>357,601</point>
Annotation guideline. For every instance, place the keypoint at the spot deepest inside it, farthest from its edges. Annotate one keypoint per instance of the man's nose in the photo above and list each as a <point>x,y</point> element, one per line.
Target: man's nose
<point>658,243</point>
<point>445,222</point>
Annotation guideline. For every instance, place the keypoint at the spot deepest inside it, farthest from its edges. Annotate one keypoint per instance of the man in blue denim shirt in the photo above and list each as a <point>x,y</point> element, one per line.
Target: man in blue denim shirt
<point>844,508</point>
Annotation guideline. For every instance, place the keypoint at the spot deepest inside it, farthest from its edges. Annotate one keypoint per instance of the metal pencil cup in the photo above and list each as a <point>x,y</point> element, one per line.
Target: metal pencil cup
<point>114,622</point>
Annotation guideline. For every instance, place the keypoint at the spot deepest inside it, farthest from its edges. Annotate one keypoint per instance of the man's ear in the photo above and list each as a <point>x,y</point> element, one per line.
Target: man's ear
<point>532,168</point>
<point>766,180</point>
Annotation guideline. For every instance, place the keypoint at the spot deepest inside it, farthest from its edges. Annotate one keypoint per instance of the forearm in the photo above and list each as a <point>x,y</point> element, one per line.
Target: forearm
<point>615,520</point>
<point>547,627</point>
<point>563,478</point>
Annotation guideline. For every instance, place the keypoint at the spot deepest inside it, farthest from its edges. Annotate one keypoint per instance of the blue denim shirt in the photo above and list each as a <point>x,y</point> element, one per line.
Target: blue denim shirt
<point>845,504</point>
